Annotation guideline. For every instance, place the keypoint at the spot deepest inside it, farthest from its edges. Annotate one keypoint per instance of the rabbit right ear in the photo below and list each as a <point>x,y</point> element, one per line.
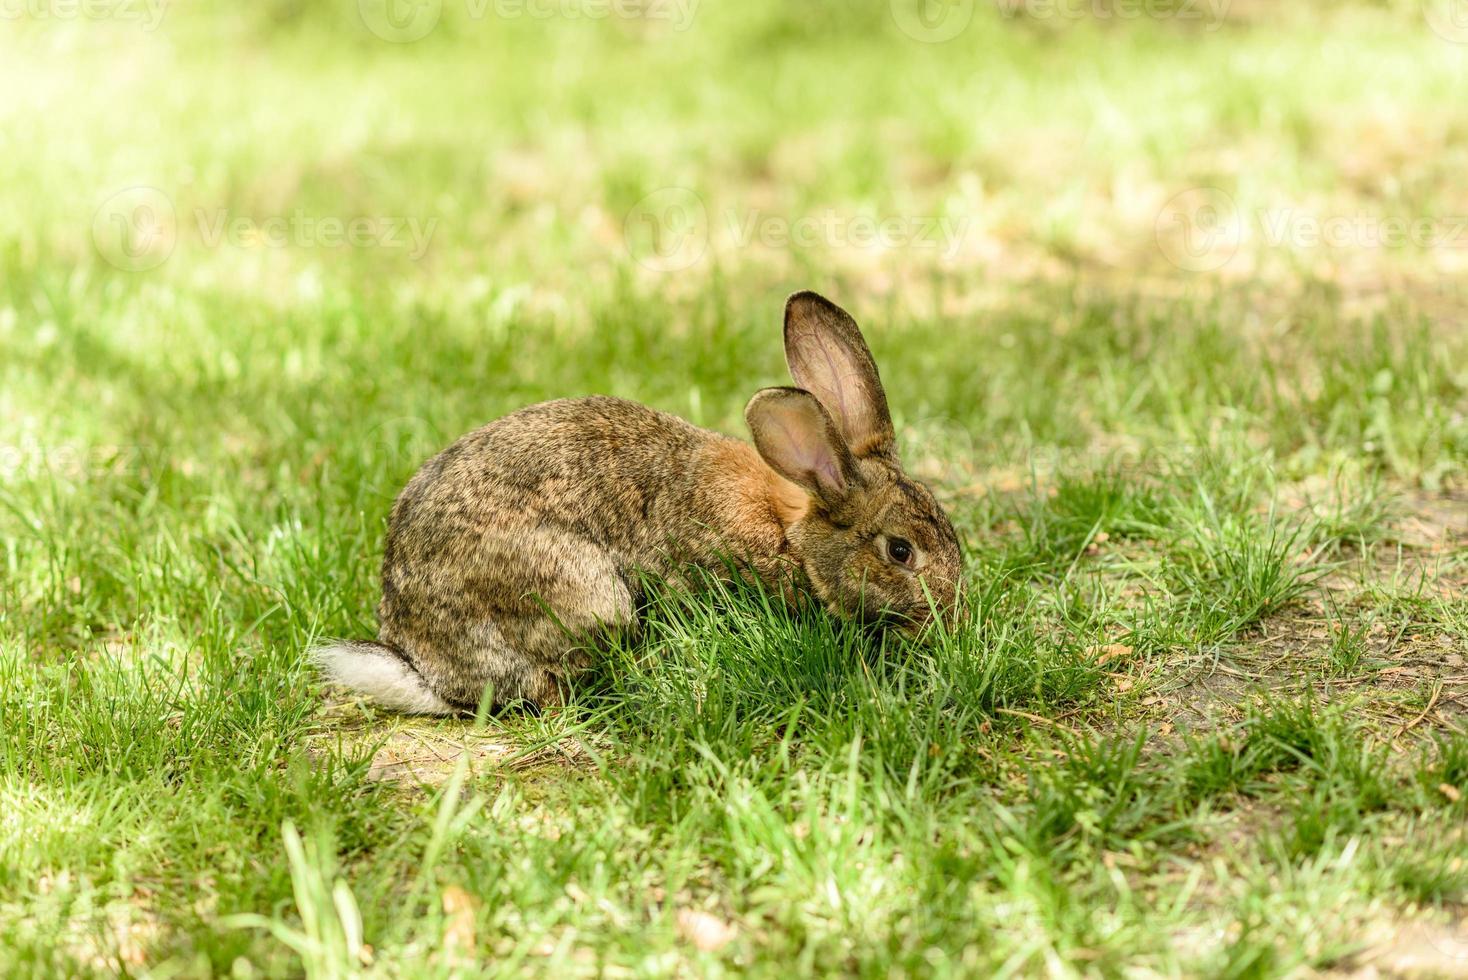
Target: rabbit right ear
<point>799,440</point>
<point>829,358</point>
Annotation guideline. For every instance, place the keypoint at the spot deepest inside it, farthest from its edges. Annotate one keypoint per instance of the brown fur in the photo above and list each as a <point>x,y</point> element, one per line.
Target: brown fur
<point>514,550</point>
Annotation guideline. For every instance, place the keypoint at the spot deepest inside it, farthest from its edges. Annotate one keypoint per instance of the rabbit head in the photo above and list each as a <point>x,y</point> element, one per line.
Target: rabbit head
<point>873,542</point>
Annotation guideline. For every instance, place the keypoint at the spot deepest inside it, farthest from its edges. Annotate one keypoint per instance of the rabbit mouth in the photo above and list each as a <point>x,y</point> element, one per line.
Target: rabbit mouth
<point>919,620</point>
<point>911,623</point>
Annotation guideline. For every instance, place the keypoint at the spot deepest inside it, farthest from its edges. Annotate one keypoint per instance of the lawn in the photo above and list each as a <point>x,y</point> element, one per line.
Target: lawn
<point>1169,302</point>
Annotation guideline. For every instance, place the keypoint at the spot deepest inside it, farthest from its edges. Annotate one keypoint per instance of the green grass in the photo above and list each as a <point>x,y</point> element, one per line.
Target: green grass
<point>1204,713</point>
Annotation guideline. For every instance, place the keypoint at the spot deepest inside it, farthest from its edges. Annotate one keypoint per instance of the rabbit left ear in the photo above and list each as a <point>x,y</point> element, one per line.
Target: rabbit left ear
<point>799,440</point>
<point>829,358</point>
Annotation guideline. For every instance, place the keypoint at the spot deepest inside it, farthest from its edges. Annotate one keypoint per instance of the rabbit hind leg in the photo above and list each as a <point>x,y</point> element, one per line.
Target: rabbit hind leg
<point>535,628</point>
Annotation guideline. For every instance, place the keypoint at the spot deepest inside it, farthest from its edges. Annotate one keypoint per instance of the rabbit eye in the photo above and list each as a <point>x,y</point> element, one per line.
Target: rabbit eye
<point>899,550</point>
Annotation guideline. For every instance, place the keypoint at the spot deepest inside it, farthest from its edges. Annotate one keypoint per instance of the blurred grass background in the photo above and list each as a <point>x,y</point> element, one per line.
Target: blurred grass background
<point>1086,245</point>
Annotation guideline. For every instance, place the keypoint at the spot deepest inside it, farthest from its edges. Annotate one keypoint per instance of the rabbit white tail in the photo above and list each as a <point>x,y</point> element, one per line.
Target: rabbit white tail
<point>382,674</point>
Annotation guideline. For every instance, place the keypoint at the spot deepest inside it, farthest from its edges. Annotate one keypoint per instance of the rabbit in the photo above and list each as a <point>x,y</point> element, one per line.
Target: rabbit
<point>511,553</point>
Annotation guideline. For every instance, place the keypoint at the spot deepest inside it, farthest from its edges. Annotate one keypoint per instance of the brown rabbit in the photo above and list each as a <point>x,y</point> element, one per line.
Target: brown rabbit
<point>511,552</point>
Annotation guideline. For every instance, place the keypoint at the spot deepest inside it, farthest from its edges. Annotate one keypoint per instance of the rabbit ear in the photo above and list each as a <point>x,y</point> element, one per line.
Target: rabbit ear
<point>829,358</point>
<point>800,442</point>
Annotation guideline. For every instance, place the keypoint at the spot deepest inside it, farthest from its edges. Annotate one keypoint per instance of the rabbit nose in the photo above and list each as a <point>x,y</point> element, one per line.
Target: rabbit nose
<point>944,594</point>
